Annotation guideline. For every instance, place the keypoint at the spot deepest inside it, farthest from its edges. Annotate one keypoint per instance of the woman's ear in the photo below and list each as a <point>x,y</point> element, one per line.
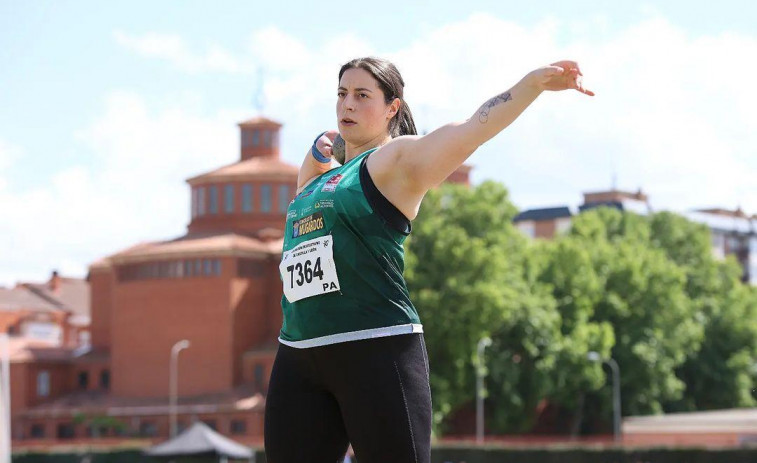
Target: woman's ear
<point>394,108</point>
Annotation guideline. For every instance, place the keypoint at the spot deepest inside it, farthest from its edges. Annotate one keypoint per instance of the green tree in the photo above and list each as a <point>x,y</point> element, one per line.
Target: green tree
<point>721,373</point>
<point>643,297</point>
<point>463,257</point>
<point>472,274</point>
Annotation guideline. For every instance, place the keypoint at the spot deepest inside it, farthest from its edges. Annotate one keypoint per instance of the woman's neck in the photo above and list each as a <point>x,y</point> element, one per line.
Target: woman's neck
<point>351,151</point>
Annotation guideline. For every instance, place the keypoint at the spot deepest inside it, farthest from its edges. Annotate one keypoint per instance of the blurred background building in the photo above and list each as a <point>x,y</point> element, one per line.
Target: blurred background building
<point>733,232</point>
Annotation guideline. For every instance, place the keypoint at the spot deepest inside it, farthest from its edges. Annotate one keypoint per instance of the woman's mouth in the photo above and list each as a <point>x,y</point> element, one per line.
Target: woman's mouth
<point>347,122</point>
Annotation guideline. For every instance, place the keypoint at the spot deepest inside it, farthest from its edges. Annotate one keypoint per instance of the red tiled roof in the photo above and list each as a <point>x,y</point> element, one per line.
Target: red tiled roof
<point>223,244</point>
<point>21,298</point>
<point>256,167</point>
<point>72,294</point>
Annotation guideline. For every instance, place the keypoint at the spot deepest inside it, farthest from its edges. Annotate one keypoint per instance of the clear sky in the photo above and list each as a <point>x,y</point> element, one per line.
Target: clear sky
<point>107,107</point>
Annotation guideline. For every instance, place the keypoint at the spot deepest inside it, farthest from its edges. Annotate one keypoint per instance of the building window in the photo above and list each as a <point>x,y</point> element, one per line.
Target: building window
<point>228,198</point>
<point>718,245</point>
<point>188,268</point>
<point>246,197</point>
<point>194,202</point>
<point>201,201</point>
<point>66,431</point>
<point>173,269</point>
<point>213,200</point>
<point>105,379</point>
<point>148,429</point>
<point>83,380</point>
<point>255,137</point>
<point>283,198</point>
<point>527,227</point>
<point>265,198</point>
<point>37,431</point>
<point>267,138</point>
<point>43,384</point>
<point>258,377</point>
<point>563,225</point>
<point>238,427</point>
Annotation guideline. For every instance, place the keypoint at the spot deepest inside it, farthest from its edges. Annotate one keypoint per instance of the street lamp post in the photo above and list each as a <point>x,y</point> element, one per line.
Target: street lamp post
<point>172,380</point>
<point>595,357</point>
<point>482,344</point>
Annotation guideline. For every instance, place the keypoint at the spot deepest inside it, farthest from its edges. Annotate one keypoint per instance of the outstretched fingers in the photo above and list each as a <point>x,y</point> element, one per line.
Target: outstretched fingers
<point>578,81</point>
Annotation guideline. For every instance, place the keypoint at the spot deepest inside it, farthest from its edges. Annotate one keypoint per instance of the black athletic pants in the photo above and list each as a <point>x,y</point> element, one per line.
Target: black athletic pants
<point>372,393</point>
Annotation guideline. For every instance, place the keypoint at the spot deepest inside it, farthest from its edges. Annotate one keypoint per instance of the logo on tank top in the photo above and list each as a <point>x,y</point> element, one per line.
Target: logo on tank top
<point>330,186</point>
<point>324,203</point>
<point>309,224</point>
<point>305,194</point>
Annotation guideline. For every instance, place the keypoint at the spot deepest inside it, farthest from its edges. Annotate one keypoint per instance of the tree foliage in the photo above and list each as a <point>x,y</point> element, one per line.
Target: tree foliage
<point>645,291</point>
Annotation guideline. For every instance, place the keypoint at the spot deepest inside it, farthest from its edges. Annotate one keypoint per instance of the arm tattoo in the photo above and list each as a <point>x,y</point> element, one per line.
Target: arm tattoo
<point>483,115</point>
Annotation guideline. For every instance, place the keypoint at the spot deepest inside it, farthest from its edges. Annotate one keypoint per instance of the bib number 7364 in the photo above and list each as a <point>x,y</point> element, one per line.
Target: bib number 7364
<point>308,269</point>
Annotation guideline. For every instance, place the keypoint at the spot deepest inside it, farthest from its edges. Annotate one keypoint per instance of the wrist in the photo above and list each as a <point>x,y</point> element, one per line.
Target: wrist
<point>317,153</point>
<point>533,82</point>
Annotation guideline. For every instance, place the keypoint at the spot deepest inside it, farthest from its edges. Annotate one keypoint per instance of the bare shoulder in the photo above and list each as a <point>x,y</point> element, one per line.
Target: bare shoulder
<point>386,159</point>
<point>386,169</point>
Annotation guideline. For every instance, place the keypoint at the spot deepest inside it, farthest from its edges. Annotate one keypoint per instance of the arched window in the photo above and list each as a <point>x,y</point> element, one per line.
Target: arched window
<point>201,201</point>
<point>228,198</point>
<point>246,197</point>
<point>283,198</point>
<point>213,200</point>
<point>265,198</point>
<point>43,383</point>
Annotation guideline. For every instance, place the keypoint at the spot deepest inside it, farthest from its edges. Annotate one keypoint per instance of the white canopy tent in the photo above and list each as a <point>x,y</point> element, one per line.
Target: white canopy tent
<point>200,440</point>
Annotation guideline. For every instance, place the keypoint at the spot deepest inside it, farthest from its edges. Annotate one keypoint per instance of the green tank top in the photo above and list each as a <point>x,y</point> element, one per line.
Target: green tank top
<point>342,266</point>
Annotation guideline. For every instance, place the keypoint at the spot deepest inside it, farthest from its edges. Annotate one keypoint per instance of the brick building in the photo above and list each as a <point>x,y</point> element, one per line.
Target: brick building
<point>217,286</point>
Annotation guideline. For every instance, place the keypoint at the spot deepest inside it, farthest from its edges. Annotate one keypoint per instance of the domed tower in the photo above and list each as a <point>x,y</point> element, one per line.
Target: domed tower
<point>249,197</point>
<point>217,286</point>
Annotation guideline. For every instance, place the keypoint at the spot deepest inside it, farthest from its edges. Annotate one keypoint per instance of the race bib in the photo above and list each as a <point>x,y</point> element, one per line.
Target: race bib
<point>309,269</point>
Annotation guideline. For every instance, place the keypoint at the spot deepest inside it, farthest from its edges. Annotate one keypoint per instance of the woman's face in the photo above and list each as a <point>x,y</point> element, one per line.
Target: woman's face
<point>360,109</point>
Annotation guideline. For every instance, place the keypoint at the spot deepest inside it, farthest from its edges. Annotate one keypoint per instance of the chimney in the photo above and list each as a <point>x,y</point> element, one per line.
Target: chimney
<point>54,283</point>
<point>259,138</point>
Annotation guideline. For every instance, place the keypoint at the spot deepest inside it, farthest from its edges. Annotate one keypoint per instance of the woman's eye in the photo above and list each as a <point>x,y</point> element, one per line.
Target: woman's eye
<point>363,95</point>
<point>340,94</point>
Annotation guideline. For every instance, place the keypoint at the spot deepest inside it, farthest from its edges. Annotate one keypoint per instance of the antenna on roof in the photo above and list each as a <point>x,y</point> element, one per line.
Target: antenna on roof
<point>259,98</point>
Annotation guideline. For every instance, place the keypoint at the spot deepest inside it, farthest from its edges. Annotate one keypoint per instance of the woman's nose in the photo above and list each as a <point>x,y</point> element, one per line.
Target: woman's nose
<point>349,102</point>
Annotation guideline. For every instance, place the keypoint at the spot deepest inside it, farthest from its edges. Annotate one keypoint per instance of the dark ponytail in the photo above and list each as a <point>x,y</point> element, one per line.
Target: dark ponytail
<point>390,82</point>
